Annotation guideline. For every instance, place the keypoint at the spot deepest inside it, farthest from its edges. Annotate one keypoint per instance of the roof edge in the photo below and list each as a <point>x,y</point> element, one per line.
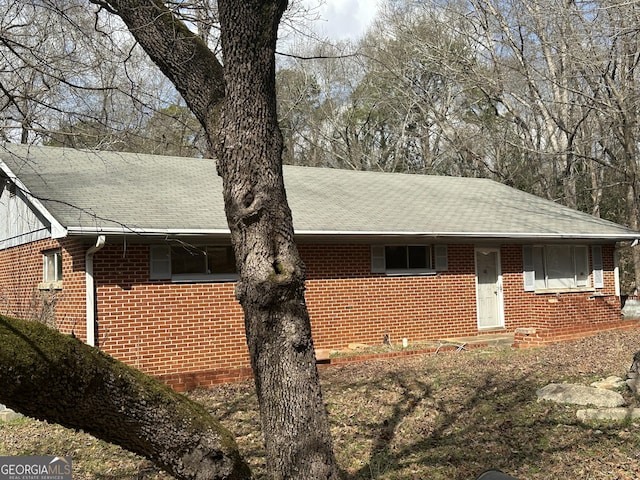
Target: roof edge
<point>138,231</point>
<point>362,235</point>
<point>57,229</point>
<point>496,235</point>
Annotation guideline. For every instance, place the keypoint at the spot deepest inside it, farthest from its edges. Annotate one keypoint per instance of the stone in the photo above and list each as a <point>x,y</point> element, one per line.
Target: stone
<point>525,331</point>
<point>609,383</point>
<point>7,415</point>
<point>358,346</point>
<point>580,395</point>
<point>617,414</point>
<point>323,354</point>
<point>631,309</point>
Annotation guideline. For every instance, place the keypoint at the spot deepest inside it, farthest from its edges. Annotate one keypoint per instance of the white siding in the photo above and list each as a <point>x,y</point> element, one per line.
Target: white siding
<point>19,222</point>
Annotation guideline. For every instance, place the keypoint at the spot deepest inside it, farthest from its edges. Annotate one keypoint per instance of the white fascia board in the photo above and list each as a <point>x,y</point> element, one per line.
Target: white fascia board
<point>79,230</point>
<point>57,229</point>
<point>124,230</point>
<point>474,235</point>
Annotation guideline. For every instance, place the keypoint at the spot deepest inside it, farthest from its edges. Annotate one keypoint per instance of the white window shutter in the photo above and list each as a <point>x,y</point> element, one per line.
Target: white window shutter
<point>378,264</point>
<point>581,262</point>
<point>598,273</point>
<point>159,262</point>
<point>528,269</point>
<point>441,259</point>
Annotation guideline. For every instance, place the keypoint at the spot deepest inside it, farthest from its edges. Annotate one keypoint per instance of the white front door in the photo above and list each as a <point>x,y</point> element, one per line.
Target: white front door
<point>489,288</point>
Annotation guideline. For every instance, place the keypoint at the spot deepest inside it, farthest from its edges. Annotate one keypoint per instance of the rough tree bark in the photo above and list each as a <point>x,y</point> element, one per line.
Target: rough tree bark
<point>236,104</point>
<point>58,378</point>
<point>271,286</point>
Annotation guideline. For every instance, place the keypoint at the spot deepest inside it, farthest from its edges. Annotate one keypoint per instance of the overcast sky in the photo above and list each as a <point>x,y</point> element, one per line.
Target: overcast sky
<point>345,19</point>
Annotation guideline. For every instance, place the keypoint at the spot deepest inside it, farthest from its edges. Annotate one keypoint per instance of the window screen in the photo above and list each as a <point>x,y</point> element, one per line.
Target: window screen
<point>52,266</point>
<point>408,257</point>
<point>202,260</point>
<point>560,266</point>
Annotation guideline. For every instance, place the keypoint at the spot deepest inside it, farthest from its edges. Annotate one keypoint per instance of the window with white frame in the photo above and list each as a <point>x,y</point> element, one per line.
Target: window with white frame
<point>52,266</point>
<point>560,267</point>
<point>408,259</point>
<point>192,263</point>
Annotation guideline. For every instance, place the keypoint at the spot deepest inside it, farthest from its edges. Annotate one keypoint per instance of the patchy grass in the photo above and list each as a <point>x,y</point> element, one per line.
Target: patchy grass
<point>449,416</point>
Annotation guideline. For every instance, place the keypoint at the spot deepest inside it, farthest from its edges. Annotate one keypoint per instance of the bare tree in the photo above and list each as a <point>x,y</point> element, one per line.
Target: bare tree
<point>73,79</point>
<point>612,73</point>
<point>236,107</point>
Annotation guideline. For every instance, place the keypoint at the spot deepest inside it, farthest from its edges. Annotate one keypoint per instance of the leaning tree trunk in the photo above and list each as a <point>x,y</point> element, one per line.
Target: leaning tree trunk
<point>271,285</point>
<point>58,378</point>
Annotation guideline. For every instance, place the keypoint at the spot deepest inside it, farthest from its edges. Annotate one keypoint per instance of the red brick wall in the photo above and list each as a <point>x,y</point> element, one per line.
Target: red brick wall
<point>349,304</point>
<point>187,334</point>
<point>562,316</point>
<point>20,276</point>
<point>193,334</point>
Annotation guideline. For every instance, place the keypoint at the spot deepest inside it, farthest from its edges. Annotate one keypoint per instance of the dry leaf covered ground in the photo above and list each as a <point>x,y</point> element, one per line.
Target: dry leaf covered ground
<point>446,416</point>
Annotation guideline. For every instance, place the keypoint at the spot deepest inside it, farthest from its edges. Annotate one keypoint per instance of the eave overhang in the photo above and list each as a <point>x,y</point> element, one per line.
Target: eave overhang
<point>146,234</point>
<point>56,228</point>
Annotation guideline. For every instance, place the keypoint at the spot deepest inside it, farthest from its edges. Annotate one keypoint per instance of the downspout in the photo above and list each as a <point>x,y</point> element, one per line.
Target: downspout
<point>616,271</point>
<point>91,290</point>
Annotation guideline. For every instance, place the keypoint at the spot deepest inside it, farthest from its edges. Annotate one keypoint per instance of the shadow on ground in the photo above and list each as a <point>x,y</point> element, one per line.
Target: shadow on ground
<point>454,425</point>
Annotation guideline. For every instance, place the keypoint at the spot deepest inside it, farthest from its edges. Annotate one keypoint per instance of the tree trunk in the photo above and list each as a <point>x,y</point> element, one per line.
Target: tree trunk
<point>247,142</point>
<point>57,378</point>
<point>271,286</point>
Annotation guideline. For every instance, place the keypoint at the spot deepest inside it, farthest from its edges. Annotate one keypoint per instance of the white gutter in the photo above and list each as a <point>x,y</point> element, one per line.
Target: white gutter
<point>90,290</point>
<point>142,232</point>
<point>78,230</point>
<point>475,235</point>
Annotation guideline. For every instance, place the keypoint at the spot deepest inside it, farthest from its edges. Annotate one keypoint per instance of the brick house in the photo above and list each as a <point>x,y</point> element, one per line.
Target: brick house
<point>131,253</point>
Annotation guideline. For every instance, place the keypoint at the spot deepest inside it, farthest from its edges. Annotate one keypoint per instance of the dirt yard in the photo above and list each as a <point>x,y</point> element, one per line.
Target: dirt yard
<point>446,416</point>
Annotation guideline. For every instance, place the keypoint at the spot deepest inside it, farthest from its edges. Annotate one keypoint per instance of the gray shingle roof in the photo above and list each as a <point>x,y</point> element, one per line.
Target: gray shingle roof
<point>106,191</point>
